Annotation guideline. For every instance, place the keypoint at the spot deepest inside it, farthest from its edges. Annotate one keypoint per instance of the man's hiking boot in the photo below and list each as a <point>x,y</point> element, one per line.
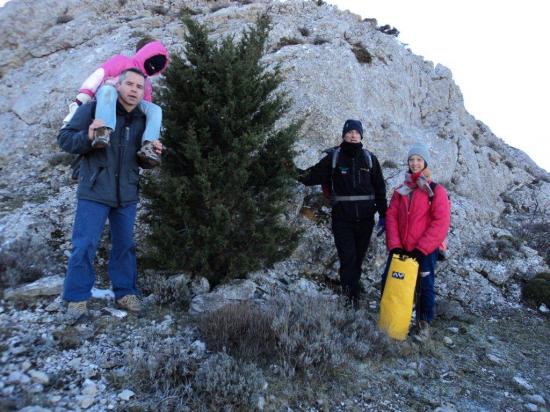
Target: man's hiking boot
<point>148,155</point>
<point>75,311</point>
<point>130,303</point>
<point>421,333</point>
<point>102,137</point>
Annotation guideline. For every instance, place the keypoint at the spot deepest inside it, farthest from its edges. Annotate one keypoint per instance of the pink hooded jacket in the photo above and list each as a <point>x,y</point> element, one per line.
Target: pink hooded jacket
<point>110,70</point>
<point>418,223</point>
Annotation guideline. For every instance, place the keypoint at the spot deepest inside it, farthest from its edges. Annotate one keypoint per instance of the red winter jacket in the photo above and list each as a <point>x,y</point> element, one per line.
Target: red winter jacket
<point>418,224</point>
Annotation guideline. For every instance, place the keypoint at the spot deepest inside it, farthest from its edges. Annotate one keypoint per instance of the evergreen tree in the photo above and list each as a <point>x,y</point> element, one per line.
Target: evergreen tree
<point>217,203</point>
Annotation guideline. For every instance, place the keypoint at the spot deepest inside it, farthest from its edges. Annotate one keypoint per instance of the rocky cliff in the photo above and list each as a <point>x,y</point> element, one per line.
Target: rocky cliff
<point>336,67</point>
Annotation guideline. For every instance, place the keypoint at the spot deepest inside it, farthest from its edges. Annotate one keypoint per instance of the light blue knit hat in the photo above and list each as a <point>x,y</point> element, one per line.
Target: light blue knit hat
<point>420,149</point>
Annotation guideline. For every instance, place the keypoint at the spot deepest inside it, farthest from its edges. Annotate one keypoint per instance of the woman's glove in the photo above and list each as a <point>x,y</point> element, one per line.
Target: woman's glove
<point>416,254</point>
<point>398,251</point>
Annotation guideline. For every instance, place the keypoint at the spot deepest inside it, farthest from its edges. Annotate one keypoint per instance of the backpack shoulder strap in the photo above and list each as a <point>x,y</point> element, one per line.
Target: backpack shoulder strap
<point>432,186</point>
<point>335,152</point>
<point>368,158</point>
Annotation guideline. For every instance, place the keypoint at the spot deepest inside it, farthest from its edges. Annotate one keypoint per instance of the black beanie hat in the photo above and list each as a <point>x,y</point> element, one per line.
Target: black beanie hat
<point>352,125</point>
<point>154,64</point>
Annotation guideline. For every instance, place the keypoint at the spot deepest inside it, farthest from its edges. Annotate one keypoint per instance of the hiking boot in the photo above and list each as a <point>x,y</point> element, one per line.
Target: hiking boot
<point>130,303</point>
<point>422,332</point>
<point>148,155</point>
<point>76,310</point>
<point>102,137</point>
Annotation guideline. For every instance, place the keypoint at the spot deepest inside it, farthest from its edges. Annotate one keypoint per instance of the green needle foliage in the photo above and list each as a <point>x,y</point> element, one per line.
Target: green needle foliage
<point>217,203</point>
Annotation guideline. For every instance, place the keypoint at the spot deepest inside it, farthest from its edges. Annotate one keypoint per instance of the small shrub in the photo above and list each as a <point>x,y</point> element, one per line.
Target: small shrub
<point>509,164</point>
<point>159,364</point>
<point>225,384</point>
<point>122,3</point>
<point>64,18</point>
<point>159,10</point>
<point>304,31</point>
<point>243,330</point>
<point>361,53</point>
<point>288,41</point>
<point>500,249</point>
<point>317,336</point>
<point>537,290</point>
<point>217,7</point>
<point>319,2</point>
<point>172,291</point>
<point>188,11</point>
<point>22,261</point>
<point>319,40</point>
<point>309,336</point>
<point>390,164</point>
<point>536,237</point>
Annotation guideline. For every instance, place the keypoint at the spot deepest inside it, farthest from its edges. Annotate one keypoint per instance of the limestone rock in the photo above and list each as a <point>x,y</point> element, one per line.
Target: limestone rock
<point>48,286</point>
<point>233,292</point>
<point>39,377</point>
<point>126,394</point>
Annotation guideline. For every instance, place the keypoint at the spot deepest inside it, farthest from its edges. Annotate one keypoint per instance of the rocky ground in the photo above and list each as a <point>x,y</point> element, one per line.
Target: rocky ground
<point>490,361</point>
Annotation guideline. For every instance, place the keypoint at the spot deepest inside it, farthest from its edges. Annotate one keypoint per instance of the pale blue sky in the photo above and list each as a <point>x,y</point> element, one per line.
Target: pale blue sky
<point>497,51</point>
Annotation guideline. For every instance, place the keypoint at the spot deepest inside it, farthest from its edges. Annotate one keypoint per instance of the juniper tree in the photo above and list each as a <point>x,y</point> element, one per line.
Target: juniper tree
<point>218,202</point>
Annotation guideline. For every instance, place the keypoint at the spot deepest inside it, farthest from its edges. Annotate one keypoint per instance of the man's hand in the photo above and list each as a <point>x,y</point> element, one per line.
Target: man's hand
<point>95,124</point>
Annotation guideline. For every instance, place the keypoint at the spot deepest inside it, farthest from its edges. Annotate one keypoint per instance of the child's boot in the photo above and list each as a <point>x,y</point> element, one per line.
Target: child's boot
<point>102,137</point>
<point>147,154</point>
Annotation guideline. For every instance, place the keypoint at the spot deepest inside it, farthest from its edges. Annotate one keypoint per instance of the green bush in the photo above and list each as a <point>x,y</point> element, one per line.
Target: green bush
<point>218,203</point>
<point>537,290</point>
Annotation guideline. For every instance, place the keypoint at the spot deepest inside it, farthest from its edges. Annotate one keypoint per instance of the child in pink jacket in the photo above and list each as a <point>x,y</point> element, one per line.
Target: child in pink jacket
<point>152,59</point>
<point>417,223</point>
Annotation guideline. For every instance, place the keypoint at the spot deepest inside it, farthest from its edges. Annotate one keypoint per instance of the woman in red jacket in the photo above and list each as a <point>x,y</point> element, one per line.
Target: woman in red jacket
<point>417,222</point>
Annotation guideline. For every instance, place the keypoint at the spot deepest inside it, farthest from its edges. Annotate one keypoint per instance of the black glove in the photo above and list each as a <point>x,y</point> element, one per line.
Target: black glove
<point>398,251</point>
<point>381,226</point>
<point>416,254</point>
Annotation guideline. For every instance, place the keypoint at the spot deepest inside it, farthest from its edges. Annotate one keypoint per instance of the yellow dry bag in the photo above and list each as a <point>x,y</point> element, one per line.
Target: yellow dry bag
<point>398,296</point>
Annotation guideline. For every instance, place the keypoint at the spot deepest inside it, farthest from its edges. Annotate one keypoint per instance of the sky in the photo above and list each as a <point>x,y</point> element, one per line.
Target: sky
<point>497,51</point>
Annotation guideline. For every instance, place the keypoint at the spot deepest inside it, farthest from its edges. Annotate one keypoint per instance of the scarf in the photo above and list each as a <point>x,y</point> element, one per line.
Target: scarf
<point>351,149</point>
<point>416,180</point>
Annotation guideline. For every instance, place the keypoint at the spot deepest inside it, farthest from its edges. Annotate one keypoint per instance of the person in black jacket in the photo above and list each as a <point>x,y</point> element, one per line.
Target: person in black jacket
<point>358,191</point>
<point>107,189</point>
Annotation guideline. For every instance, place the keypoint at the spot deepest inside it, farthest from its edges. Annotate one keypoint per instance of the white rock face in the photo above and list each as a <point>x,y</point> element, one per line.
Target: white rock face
<point>48,286</point>
<point>48,49</point>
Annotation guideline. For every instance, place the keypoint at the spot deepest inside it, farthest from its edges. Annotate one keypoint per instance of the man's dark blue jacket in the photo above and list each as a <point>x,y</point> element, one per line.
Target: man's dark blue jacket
<point>110,175</point>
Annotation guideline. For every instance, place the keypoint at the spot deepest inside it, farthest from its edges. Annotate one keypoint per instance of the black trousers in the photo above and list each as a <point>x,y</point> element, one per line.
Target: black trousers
<point>352,240</point>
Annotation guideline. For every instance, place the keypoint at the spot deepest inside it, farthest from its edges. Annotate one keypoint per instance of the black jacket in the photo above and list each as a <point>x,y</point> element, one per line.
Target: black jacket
<point>110,175</point>
<point>351,177</point>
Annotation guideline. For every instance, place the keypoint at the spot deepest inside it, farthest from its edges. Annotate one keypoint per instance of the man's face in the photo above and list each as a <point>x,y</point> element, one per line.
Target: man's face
<point>130,91</point>
<point>352,136</point>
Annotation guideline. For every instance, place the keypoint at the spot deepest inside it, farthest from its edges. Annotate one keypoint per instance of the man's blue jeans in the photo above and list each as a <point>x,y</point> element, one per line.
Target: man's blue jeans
<point>105,110</point>
<point>88,225</point>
